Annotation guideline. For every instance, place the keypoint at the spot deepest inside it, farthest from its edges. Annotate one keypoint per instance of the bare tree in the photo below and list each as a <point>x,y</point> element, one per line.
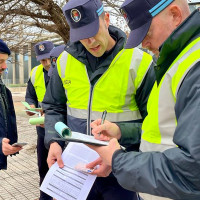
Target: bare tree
<point>33,20</point>
<point>30,19</point>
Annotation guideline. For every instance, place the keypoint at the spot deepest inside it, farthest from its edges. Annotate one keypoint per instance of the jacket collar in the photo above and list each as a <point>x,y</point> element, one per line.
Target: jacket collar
<point>78,51</point>
<point>188,31</point>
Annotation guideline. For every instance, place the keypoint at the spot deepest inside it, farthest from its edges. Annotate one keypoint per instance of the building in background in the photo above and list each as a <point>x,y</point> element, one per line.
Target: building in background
<point>20,64</point>
<point>194,4</point>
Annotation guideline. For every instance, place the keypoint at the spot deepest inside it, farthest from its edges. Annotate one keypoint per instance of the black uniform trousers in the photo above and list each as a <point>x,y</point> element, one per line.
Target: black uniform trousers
<point>109,189</point>
<point>42,154</point>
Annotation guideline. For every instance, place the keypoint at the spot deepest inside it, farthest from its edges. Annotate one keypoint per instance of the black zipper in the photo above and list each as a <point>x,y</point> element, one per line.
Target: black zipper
<point>89,112</point>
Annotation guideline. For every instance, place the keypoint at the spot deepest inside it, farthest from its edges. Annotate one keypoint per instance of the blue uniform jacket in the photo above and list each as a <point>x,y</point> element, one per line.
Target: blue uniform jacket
<point>8,127</point>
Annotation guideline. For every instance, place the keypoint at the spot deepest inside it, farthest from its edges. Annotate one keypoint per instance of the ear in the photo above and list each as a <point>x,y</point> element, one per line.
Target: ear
<point>176,14</point>
<point>107,19</point>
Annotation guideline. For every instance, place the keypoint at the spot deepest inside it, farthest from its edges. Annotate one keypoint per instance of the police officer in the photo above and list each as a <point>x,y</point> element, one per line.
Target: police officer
<point>94,74</point>
<point>169,164</point>
<point>8,128</point>
<point>35,92</point>
<point>54,54</point>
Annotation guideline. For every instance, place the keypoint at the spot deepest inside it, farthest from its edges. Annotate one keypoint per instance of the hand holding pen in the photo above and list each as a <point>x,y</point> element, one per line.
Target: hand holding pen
<point>103,117</point>
<point>112,130</point>
<point>107,131</point>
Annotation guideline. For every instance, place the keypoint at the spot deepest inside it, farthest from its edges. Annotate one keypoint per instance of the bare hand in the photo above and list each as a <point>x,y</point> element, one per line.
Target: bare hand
<point>108,130</point>
<point>41,112</point>
<point>54,155</point>
<point>30,113</point>
<point>41,125</point>
<point>106,152</point>
<point>102,170</point>
<point>8,149</point>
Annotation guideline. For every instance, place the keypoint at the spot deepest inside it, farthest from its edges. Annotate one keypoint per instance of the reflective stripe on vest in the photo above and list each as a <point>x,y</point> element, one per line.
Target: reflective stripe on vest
<point>114,91</point>
<point>160,124</point>
<point>37,79</point>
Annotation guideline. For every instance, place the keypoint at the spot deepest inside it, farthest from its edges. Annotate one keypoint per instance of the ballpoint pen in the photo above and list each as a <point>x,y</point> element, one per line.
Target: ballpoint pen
<point>103,117</point>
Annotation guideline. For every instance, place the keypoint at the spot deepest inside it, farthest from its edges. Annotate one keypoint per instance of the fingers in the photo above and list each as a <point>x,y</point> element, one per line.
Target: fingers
<point>98,128</point>
<point>15,150</point>
<point>60,161</point>
<point>95,123</point>
<point>50,161</point>
<point>101,137</point>
<point>42,113</point>
<point>32,106</point>
<point>94,163</point>
<point>40,125</point>
<point>107,128</point>
<point>8,149</point>
<point>30,113</point>
<point>54,155</point>
<point>106,152</point>
<point>102,171</point>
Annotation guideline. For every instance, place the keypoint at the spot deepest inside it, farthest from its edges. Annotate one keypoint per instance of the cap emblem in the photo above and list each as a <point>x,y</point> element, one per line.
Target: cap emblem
<point>53,60</point>
<point>41,47</point>
<point>124,15</point>
<point>75,15</point>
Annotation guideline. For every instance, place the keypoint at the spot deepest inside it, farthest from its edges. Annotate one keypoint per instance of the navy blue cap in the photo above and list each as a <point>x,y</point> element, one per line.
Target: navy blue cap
<point>56,51</point>
<point>83,18</point>
<point>4,48</point>
<point>54,54</point>
<point>43,49</point>
<point>139,15</point>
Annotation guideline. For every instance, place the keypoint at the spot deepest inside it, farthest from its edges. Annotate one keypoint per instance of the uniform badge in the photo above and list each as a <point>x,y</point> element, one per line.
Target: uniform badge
<point>41,47</point>
<point>124,15</point>
<point>53,60</point>
<point>75,15</point>
<point>67,82</point>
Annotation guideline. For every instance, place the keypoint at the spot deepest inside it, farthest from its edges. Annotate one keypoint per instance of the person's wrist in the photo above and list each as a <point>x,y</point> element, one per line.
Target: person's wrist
<point>56,143</point>
<point>53,144</point>
<point>118,133</point>
<point>115,153</point>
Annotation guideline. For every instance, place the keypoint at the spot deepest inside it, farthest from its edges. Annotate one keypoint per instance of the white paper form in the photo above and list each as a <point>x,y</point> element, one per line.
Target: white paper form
<point>67,183</point>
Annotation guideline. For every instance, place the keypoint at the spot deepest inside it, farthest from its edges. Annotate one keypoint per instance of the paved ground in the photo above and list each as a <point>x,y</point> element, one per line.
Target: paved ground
<point>21,180</point>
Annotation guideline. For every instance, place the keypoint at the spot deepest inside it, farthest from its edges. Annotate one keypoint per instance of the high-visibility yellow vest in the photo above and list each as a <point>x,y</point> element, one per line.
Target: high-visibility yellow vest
<point>160,124</point>
<point>38,81</point>
<point>114,91</point>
